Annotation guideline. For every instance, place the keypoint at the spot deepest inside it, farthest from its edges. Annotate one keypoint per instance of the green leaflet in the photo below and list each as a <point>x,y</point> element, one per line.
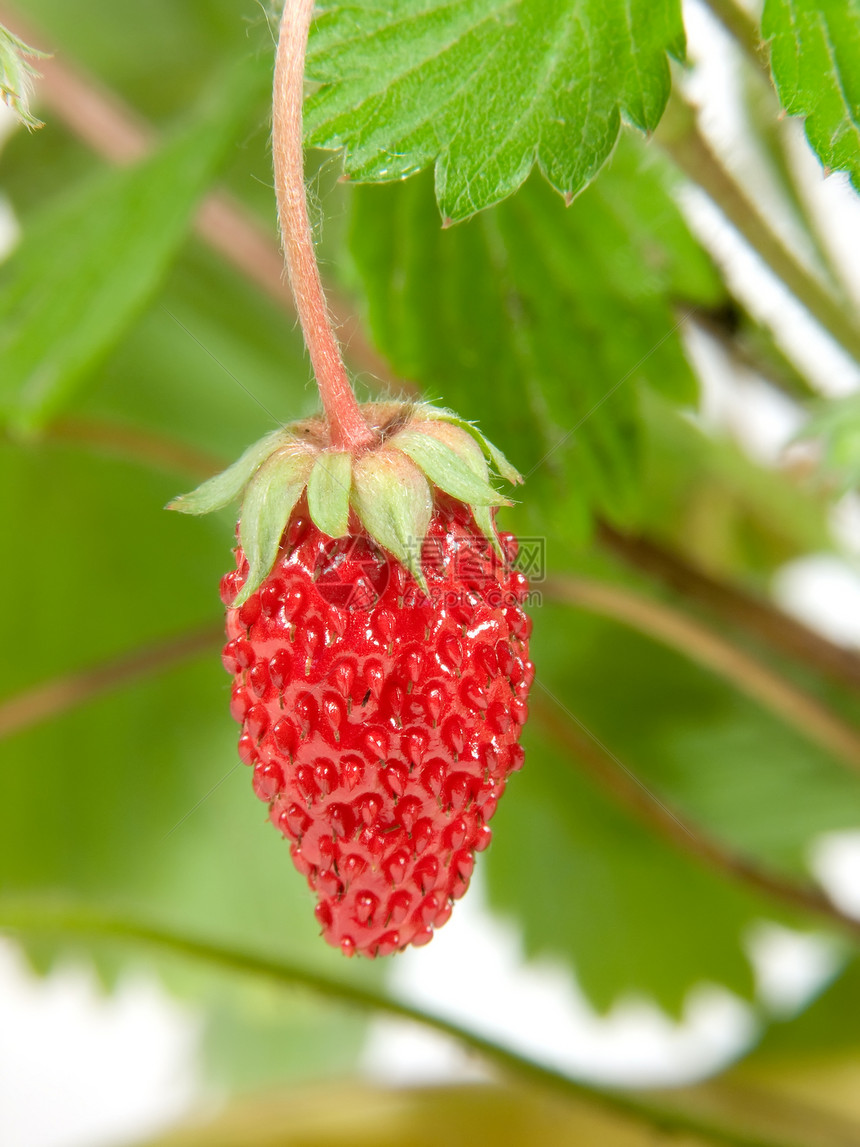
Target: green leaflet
<point>484,89</point>
<point>266,509</point>
<point>328,492</point>
<point>815,60</point>
<point>87,267</point>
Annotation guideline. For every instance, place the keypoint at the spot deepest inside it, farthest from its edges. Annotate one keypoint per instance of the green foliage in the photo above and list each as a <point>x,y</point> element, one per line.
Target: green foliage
<point>837,425</point>
<point>815,58</point>
<point>399,89</point>
<point>574,870</point>
<point>733,771</point>
<point>567,311</point>
<point>89,265</point>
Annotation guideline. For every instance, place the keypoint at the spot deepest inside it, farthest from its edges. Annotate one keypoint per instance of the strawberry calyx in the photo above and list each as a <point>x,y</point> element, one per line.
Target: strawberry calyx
<point>389,484</point>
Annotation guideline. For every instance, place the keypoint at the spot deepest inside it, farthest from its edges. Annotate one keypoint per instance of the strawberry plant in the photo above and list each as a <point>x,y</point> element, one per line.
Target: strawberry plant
<point>522,216</point>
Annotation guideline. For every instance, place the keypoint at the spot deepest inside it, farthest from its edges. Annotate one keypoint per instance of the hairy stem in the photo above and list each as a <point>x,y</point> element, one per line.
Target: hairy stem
<point>28,917</point>
<point>624,788</point>
<point>790,704</point>
<point>348,428</point>
<point>681,139</point>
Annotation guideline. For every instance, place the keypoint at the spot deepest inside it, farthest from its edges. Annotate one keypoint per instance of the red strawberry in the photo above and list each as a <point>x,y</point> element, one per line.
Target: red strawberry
<point>380,662</point>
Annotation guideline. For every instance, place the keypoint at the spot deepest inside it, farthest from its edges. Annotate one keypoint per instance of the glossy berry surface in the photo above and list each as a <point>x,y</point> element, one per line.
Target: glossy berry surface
<point>381,723</point>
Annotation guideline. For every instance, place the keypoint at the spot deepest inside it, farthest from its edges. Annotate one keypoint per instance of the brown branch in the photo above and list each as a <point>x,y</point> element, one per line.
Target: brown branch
<point>663,623</point>
<point>681,139</point>
<point>55,697</point>
<point>150,448</point>
<point>751,346</point>
<point>750,614</point>
<point>744,30</point>
<point>628,791</point>
<point>116,132</point>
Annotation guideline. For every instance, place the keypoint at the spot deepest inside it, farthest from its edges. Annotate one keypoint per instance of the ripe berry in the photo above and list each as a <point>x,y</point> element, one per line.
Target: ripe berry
<point>379,653</point>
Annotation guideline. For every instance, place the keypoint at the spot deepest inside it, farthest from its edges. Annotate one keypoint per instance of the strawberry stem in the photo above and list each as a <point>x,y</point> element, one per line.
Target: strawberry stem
<point>348,428</point>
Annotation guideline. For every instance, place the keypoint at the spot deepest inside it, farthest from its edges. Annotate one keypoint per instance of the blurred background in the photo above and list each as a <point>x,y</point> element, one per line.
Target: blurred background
<point>672,898</point>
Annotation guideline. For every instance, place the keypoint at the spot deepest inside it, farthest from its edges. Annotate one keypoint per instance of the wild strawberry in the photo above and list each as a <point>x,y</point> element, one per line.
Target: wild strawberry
<point>379,654</point>
<point>377,640</point>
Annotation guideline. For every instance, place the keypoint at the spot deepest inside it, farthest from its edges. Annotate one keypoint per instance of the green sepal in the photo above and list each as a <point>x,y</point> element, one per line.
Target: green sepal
<point>269,501</point>
<point>483,516</point>
<point>328,492</point>
<point>471,452</point>
<point>447,469</point>
<point>17,75</point>
<point>502,466</point>
<point>394,502</point>
<point>226,487</point>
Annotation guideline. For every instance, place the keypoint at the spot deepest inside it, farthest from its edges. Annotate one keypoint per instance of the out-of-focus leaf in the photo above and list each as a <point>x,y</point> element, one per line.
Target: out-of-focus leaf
<point>487,89</point>
<point>85,269</point>
<point>815,60</point>
<point>588,883</point>
<point>555,316</point>
<point>157,56</point>
<point>722,760</point>
<point>828,1027</point>
<point>135,798</point>
<point>367,1116</point>
<point>820,1096</point>
<point>211,364</point>
<point>705,496</point>
<point>629,912</point>
<point>257,1035</point>
<point>837,424</point>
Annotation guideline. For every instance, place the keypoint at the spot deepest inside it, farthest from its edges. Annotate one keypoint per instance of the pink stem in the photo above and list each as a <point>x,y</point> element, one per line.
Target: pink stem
<point>348,428</point>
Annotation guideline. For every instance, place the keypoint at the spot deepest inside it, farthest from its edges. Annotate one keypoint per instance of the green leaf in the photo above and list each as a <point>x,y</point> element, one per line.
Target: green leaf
<point>271,498</point>
<point>148,813</point>
<point>540,322</point>
<point>151,811</point>
<point>486,89</point>
<point>226,487</point>
<point>446,469</point>
<point>815,60</point>
<point>328,492</point>
<point>591,884</point>
<point>708,499</point>
<point>827,1026</point>
<point>837,424</point>
<point>587,882</point>
<point>88,265</point>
